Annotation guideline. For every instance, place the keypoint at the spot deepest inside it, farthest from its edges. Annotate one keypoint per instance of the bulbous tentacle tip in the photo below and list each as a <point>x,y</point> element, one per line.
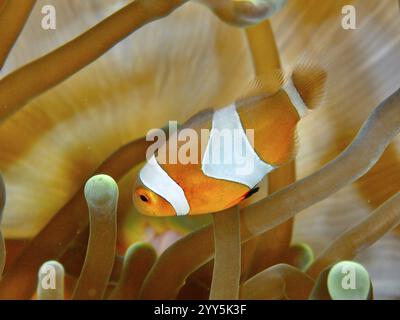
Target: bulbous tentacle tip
<point>244,12</point>
<point>300,255</point>
<point>349,280</point>
<point>53,264</point>
<point>101,191</point>
<point>255,11</point>
<point>142,246</point>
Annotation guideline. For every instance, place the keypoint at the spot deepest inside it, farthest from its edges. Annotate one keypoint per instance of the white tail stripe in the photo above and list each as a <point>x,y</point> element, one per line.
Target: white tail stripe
<point>248,168</point>
<point>295,98</point>
<point>156,179</point>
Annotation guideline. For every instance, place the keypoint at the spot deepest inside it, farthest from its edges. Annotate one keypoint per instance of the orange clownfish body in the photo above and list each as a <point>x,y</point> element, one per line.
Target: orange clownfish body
<point>218,157</point>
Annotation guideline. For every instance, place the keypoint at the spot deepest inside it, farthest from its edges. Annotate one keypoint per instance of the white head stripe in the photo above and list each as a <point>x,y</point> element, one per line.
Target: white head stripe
<point>156,179</point>
<point>232,159</point>
<point>295,98</point>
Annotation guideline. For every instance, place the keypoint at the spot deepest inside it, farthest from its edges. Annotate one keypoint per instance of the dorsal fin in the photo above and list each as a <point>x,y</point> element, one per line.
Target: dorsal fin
<point>261,87</point>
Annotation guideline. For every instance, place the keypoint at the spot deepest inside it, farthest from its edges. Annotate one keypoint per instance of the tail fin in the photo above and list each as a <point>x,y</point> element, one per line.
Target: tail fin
<point>310,82</point>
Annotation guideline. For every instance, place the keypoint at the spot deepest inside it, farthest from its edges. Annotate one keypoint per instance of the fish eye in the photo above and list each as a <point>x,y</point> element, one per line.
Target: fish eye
<point>144,198</point>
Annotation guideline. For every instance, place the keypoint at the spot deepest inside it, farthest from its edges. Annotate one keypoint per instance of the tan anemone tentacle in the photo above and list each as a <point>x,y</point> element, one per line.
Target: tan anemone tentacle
<point>2,5</point>
<point>385,218</point>
<point>226,273</point>
<point>64,227</point>
<point>280,281</point>
<point>139,259</point>
<point>101,193</point>
<point>13,15</point>
<point>269,247</point>
<point>40,75</point>
<point>185,261</point>
<point>264,51</point>
<point>74,257</point>
<point>380,128</point>
<point>2,243</point>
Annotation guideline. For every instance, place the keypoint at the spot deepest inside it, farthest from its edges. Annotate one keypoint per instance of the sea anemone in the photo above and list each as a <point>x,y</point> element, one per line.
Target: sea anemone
<point>74,114</point>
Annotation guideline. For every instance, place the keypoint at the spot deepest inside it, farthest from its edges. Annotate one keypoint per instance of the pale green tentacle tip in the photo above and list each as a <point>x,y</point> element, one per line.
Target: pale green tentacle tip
<point>348,280</point>
<point>255,11</point>
<point>245,12</point>
<point>52,263</point>
<point>101,191</point>
<point>269,6</point>
<point>141,246</point>
<point>51,266</point>
<point>303,255</point>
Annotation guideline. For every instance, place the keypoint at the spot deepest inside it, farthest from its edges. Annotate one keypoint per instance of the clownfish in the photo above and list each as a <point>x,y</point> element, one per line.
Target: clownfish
<point>262,129</point>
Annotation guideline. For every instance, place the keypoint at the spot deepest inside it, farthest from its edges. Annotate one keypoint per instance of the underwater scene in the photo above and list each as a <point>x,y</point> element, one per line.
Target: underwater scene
<point>199,150</point>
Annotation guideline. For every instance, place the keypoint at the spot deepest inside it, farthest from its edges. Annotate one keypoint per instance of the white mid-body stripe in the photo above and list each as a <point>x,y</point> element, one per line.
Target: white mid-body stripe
<point>295,98</point>
<point>156,179</point>
<point>245,166</point>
